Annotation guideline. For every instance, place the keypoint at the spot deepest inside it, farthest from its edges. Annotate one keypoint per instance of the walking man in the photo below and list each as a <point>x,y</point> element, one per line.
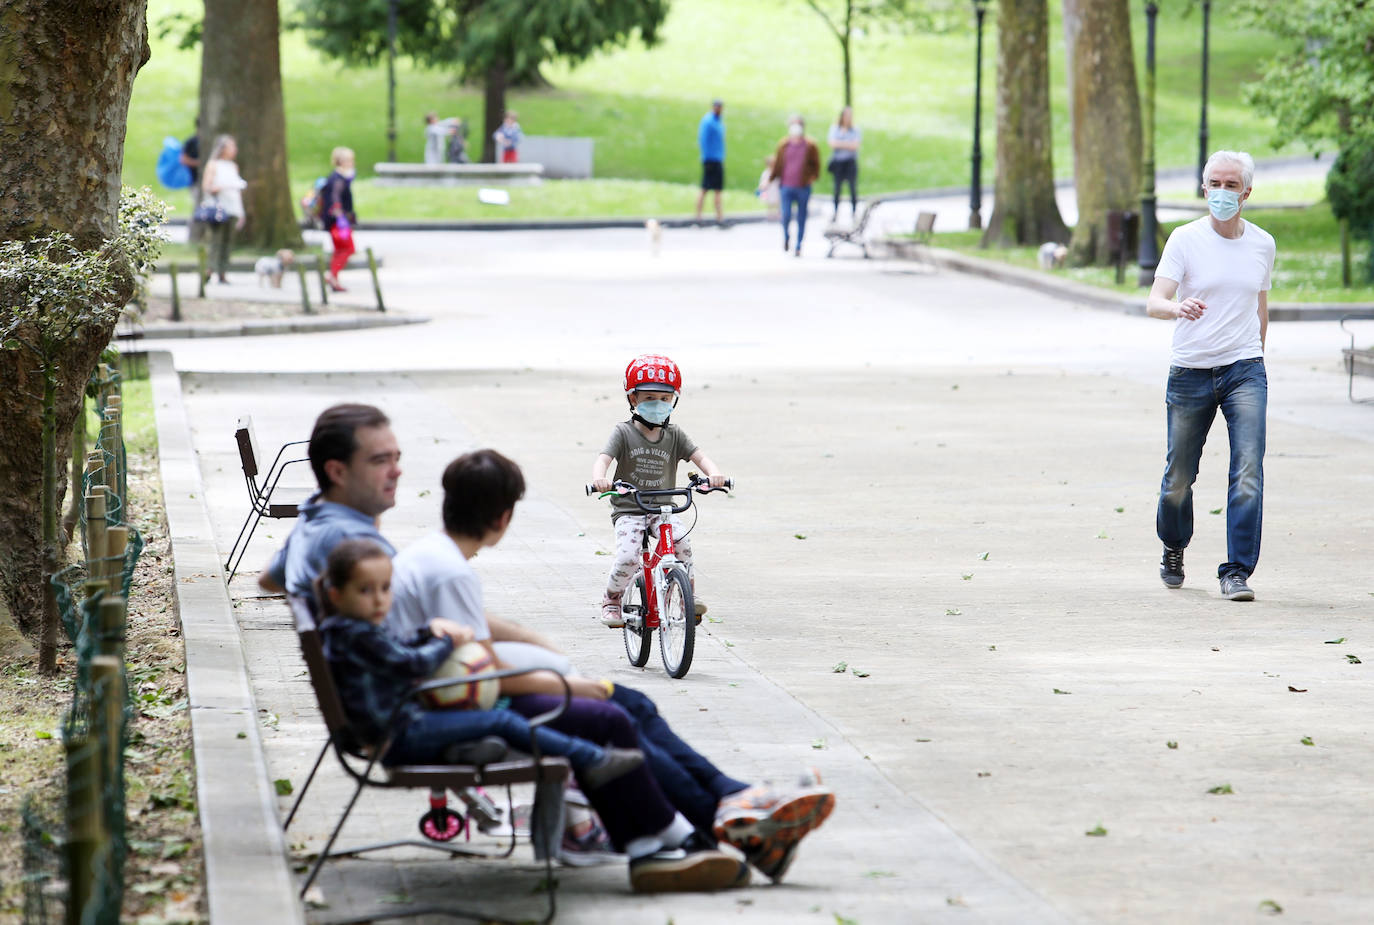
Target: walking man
<point>711,142</point>
<point>1213,281</point>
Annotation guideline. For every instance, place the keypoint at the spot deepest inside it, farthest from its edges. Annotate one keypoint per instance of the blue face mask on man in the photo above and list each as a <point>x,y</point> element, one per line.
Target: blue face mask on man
<point>654,411</point>
<point>1223,203</point>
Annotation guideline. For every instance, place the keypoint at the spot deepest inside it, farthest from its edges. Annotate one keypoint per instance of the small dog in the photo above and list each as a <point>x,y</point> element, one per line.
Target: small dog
<point>270,269</point>
<point>1051,255</point>
<point>655,231</point>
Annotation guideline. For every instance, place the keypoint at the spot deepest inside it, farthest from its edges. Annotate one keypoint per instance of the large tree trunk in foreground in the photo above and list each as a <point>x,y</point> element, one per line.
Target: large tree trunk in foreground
<point>68,70</point>
<point>1024,209</point>
<point>240,95</point>
<point>493,108</point>
<point>1106,120</point>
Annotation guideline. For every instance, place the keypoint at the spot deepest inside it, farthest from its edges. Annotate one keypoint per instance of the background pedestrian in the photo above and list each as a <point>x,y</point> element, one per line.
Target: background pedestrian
<point>223,186</point>
<point>797,164</point>
<point>844,140</point>
<point>336,209</point>
<point>711,144</point>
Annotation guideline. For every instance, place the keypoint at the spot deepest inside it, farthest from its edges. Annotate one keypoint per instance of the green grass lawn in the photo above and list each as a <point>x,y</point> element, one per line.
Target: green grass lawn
<point>766,58</point>
<point>1307,269</point>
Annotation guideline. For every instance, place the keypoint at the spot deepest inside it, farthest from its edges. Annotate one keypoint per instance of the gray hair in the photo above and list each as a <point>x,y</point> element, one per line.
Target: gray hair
<point>1244,161</point>
<point>218,148</point>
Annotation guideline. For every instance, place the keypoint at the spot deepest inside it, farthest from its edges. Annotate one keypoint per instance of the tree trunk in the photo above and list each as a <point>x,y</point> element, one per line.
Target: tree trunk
<point>494,105</point>
<point>1105,105</point>
<point>69,68</point>
<point>1024,209</point>
<point>240,95</point>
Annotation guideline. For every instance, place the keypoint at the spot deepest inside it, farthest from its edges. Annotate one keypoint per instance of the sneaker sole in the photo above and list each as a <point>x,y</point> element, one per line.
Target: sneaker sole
<point>703,871</point>
<point>1240,596</point>
<point>1172,585</point>
<point>751,830</point>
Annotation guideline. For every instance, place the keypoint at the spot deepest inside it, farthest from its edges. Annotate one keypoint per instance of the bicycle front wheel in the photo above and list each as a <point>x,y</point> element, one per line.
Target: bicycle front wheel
<point>638,637</point>
<point>677,623</point>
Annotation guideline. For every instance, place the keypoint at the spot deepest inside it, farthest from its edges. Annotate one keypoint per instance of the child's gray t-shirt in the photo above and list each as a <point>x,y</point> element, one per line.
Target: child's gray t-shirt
<point>645,464</point>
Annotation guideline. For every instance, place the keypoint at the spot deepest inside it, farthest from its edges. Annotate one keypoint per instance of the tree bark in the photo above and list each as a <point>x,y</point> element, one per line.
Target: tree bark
<point>1024,209</point>
<point>1105,103</point>
<point>494,108</point>
<point>240,95</point>
<point>67,71</point>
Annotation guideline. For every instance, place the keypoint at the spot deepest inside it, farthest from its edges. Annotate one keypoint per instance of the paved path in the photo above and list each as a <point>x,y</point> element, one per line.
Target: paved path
<point>973,468</point>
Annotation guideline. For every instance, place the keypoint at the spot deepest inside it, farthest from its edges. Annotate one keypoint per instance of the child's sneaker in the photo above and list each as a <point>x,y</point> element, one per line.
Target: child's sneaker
<point>767,824</point>
<point>611,614</point>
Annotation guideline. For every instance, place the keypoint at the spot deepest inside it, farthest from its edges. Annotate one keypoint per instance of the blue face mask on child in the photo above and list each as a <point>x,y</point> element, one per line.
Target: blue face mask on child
<point>655,412</point>
<point>1223,203</point>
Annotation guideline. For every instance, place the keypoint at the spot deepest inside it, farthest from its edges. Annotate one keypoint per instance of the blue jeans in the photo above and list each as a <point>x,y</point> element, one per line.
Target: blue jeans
<point>799,196</point>
<point>692,784</point>
<point>1241,391</point>
<point>423,741</point>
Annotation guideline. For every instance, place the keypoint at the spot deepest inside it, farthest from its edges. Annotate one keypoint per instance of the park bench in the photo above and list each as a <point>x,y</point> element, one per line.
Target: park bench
<point>853,234</point>
<point>402,174</point>
<point>1358,361</point>
<point>549,775</point>
<point>259,493</point>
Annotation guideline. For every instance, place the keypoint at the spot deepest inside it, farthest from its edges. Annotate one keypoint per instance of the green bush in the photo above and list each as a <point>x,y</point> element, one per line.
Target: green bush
<point>1350,190</point>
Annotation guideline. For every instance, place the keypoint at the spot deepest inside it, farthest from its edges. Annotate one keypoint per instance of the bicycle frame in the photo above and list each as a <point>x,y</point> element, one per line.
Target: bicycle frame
<point>654,565</point>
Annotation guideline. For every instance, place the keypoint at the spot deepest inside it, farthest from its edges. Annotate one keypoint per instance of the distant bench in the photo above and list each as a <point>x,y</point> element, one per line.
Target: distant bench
<point>519,174</point>
<point>1358,361</point>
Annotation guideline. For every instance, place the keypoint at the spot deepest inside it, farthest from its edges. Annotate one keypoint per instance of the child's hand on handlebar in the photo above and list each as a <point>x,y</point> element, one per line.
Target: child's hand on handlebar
<point>601,485</point>
<point>718,481</point>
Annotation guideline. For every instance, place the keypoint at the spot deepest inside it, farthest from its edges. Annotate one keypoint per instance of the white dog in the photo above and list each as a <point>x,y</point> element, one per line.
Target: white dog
<point>270,269</point>
<point>655,230</point>
<point>1051,255</point>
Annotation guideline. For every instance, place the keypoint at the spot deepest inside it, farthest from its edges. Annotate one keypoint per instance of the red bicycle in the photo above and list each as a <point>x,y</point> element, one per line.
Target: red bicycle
<point>660,598</point>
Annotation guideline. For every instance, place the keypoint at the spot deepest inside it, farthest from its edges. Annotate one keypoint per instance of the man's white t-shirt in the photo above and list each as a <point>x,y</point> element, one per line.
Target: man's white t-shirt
<point>431,578</point>
<point>1228,274</point>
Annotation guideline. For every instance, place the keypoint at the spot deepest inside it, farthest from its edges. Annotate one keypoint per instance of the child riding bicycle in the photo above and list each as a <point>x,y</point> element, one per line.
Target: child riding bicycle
<point>645,451</point>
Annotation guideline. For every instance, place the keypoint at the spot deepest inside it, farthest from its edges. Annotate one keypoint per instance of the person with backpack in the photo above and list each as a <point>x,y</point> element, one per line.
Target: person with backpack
<point>334,207</point>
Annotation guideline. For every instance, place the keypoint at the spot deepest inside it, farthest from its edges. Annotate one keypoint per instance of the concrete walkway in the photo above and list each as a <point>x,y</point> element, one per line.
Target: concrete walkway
<point>946,483</point>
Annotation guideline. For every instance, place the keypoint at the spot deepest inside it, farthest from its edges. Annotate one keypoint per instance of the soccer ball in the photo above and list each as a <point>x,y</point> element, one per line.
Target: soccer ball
<point>469,658</point>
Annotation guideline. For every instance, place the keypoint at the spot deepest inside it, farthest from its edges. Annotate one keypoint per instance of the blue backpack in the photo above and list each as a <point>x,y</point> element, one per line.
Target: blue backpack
<point>171,172</point>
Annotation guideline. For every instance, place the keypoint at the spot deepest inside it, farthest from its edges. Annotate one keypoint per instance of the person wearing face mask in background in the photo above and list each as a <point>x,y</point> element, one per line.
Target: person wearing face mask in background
<point>645,451</point>
<point>1213,282</point>
<point>336,207</point>
<point>796,164</point>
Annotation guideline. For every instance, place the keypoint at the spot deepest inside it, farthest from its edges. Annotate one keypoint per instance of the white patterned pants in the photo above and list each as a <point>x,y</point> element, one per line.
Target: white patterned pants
<point>629,532</point>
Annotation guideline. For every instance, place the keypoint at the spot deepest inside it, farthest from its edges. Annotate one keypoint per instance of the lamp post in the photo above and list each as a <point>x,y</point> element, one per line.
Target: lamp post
<point>391,81</point>
<point>1149,225</point>
<point>975,193</point>
<point>1202,125</point>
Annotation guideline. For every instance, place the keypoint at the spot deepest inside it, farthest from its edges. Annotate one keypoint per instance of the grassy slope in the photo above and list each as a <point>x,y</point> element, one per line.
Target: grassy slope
<point>767,58</point>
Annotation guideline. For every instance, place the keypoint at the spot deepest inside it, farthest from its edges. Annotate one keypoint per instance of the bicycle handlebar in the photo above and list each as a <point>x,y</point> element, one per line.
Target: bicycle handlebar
<point>699,484</point>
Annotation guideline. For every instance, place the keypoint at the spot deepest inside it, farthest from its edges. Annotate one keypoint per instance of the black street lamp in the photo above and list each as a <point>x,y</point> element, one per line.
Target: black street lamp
<point>391,81</point>
<point>1149,224</point>
<point>1202,126</point>
<point>975,193</point>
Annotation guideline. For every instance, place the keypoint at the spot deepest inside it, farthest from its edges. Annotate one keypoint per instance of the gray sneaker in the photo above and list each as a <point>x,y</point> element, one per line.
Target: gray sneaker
<point>1171,568</point>
<point>1234,588</point>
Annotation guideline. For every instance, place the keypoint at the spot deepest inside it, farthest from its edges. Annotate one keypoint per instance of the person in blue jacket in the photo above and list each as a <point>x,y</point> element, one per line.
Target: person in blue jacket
<point>711,142</point>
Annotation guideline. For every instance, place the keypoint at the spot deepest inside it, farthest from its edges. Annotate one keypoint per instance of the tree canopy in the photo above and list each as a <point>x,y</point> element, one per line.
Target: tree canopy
<point>473,35</point>
<point>1322,88</point>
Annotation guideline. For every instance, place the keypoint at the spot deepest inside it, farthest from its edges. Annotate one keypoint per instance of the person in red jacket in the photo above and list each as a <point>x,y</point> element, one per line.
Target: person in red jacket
<point>797,164</point>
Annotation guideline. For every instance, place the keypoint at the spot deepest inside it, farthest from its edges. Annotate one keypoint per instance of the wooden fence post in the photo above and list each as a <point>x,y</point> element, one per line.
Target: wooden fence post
<point>305,293</point>
<point>202,268</point>
<point>376,284</point>
<point>86,835</point>
<point>176,295</point>
<point>324,283</point>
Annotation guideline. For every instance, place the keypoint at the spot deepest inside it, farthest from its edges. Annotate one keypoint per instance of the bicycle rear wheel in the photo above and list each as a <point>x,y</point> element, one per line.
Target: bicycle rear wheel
<point>638,637</point>
<point>677,623</point>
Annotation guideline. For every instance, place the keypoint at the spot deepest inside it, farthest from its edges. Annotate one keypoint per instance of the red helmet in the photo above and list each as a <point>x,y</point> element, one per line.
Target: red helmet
<point>650,371</point>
